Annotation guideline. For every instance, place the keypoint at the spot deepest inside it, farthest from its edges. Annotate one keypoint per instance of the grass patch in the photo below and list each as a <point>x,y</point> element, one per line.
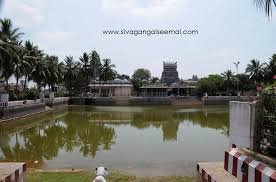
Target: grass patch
<point>34,176</point>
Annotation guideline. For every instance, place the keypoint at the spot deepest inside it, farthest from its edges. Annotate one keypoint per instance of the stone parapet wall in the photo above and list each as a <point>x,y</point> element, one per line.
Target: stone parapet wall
<point>112,101</point>
<point>150,101</point>
<point>21,110</point>
<point>57,101</point>
<point>97,101</point>
<point>224,100</point>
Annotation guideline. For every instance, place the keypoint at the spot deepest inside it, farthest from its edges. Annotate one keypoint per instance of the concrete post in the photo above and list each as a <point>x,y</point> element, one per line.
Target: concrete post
<point>52,96</point>
<point>41,97</point>
<point>257,116</point>
<point>246,119</point>
<point>4,97</point>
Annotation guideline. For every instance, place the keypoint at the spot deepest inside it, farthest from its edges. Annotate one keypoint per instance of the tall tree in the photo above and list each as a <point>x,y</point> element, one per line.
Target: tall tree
<point>7,57</point>
<point>7,32</point>
<point>228,77</point>
<point>107,71</point>
<point>139,76</point>
<point>270,69</point>
<point>210,85</point>
<point>245,84</point>
<point>20,65</point>
<point>95,64</point>
<point>39,72</point>
<point>255,69</point>
<point>85,65</point>
<point>9,37</point>
<point>52,76</point>
<point>32,54</point>
<point>70,73</point>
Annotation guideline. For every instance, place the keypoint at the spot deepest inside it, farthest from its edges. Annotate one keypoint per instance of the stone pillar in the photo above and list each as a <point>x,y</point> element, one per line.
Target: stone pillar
<point>256,124</point>
<point>41,97</point>
<point>4,97</point>
<point>246,119</point>
<point>52,96</point>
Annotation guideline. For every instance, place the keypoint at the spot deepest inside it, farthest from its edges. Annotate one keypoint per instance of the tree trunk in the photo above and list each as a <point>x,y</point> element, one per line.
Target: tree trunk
<point>38,87</point>
<point>25,81</point>
<point>16,86</point>
<point>7,85</point>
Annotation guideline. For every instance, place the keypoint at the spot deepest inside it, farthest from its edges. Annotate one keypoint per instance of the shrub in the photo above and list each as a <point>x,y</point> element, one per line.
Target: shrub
<point>12,96</point>
<point>32,94</point>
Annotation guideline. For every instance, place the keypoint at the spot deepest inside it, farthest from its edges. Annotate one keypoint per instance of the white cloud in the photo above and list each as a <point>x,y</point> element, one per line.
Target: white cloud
<point>153,8</point>
<point>58,35</point>
<point>59,43</point>
<point>24,13</point>
<point>159,8</point>
<point>274,16</point>
<point>117,6</point>
<point>54,39</point>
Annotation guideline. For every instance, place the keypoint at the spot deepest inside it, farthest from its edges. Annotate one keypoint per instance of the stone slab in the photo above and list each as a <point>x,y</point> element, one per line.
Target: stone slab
<point>12,171</point>
<point>214,171</point>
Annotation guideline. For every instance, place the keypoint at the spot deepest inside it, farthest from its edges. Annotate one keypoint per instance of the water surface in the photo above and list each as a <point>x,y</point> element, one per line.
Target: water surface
<point>138,140</point>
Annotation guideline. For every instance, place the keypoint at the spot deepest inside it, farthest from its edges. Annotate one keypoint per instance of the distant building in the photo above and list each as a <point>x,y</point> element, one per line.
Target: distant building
<point>170,84</point>
<point>112,88</point>
<point>169,74</point>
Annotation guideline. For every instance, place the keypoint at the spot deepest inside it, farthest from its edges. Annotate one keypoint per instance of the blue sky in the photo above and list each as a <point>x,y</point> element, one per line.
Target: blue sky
<point>228,31</point>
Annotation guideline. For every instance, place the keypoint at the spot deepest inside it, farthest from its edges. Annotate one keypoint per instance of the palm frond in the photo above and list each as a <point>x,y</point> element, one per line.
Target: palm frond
<point>266,5</point>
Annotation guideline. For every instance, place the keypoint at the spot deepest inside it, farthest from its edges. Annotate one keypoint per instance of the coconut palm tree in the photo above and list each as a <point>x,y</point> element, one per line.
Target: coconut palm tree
<point>7,32</point>
<point>270,69</point>
<point>228,77</point>
<point>107,70</point>
<point>9,49</point>
<point>32,54</point>
<point>95,64</point>
<point>255,70</point>
<point>70,73</point>
<point>266,5</point>
<point>7,53</point>
<point>85,65</point>
<point>39,72</point>
<point>20,65</point>
<point>52,76</point>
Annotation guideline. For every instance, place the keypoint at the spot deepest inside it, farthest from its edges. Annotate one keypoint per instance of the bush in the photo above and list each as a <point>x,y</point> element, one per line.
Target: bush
<point>12,96</point>
<point>32,94</point>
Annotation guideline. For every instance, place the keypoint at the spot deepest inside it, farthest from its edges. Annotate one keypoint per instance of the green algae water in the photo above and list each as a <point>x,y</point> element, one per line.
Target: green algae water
<point>143,141</point>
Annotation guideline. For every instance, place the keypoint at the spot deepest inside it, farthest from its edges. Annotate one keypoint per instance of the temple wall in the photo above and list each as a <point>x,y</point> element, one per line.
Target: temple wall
<point>123,91</point>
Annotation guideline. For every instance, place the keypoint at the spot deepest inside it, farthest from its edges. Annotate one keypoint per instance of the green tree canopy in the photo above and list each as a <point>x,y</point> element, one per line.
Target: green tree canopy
<point>108,70</point>
<point>270,70</point>
<point>139,76</point>
<point>228,77</point>
<point>211,85</point>
<point>255,69</point>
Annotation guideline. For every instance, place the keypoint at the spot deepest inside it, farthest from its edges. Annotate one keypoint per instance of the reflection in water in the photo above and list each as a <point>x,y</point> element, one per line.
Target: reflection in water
<point>91,130</point>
